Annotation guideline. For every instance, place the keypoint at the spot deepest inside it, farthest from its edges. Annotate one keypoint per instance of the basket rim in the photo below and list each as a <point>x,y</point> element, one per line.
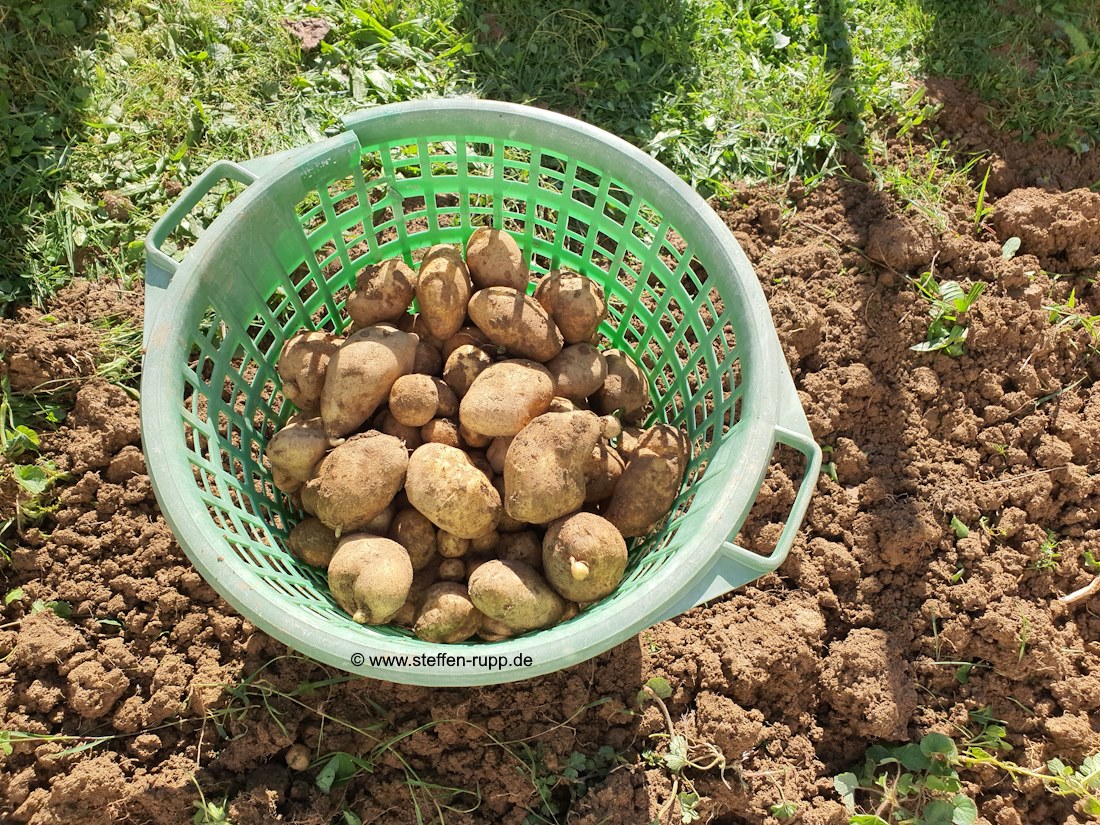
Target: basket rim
<point>747,455</point>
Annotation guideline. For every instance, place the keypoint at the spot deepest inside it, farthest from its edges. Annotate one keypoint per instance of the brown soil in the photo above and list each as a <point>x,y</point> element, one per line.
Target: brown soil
<point>791,678</point>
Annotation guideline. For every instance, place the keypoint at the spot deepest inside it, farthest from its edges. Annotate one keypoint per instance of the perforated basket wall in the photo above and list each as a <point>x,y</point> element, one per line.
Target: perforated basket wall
<point>282,258</point>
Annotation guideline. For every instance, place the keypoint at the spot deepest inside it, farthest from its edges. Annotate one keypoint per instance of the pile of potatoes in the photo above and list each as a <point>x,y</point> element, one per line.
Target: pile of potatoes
<point>471,469</point>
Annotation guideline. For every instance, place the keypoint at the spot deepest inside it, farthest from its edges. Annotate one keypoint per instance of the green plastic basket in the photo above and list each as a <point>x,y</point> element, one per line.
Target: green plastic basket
<point>682,298</point>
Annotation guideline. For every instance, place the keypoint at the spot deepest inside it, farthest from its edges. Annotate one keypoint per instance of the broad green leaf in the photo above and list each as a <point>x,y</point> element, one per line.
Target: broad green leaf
<point>966,812</point>
<point>676,758</point>
<point>846,785</point>
<point>659,685</point>
<point>962,673</point>
<point>961,530</point>
<point>938,812</point>
<point>351,818</point>
<point>937,743</point>
<point>31,478</point>
<point>784,810</point>
<point>867,819</point>
<point>914,758</point>
<point>14,594</point>
<point>1091,806</point>
<point>946,784</point>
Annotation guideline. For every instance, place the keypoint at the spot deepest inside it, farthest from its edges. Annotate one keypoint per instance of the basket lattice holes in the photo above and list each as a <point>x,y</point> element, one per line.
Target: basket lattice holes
<point>400,201</point>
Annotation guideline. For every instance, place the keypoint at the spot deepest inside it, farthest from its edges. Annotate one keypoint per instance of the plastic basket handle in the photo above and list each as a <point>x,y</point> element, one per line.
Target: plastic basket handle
<point>159,268</point>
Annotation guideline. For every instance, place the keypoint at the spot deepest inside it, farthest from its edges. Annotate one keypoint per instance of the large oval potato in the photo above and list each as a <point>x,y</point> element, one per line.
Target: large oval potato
<point>513,593</point>
<point>302,366</point>
<point>361,374</point>
<point>575,302</point>
<point>383,292</point>
<point>358,480</point>
<point>444,485</point>
<point>443,290</point>
<point>544,470</point>
<point>495,259</point>
<point>505,397</point>
<point>370,577</point>
<point>516,322</point>
<point>650,482</point>
<point>579,370</point>
<point>447,615</point>
<point>624,390</point>
<point>294,452</point>
<point>583,557</point>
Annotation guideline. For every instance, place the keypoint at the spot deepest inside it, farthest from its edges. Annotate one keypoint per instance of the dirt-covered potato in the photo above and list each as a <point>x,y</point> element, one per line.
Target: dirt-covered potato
<point>410,436</point>
<point>467,335</point>
<point>495,259</point>
<point>485,543</point>
<point>524,546</point>
<point>463,366</point>
<point>418,326</point>
<point>416,534</point>
<point>605,468</point>
<point>472,439</point>
<point>493,631</point>
<point>583,557</point>
<point>417,399</point>
<point>357,480</point>
<point>515,594</point>
<point>428,361</point>
<point>544,471</point>
<point>579,370</point>
<point>507,524</point>
<point>452,570</point>
<point>575,302</point>
<point>561,405</point>
<point>302,365</point>
<point>423,578</point>
<point>294,452</point>
<point>361,373</point>
<point>625,388</point>
<point>628,444</point>
<point>441,431</point>
<point>451,546</point>
<point>447,615</point>
<point>650,482</point>
<point>312,542</point>
<point>498,449</point>
<point>380,524</point>
<point>444,485</point>
<point>505,397</point>
<point>370,577</point>
<point>443,290</point>
<point>517,322</point>
<point>383,292</point>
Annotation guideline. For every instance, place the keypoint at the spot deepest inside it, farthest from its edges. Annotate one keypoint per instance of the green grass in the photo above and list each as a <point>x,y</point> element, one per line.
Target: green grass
<point>107,107</point>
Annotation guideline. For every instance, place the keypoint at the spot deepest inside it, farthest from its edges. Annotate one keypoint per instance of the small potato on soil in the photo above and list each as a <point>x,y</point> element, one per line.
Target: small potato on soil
<point>416,534</point>
<point>361,373</point>
<point>463,366</point>
<point>579,370</point>
<point>383,292</point>
<point>416,399</point>
<point>625,387</point>
<point>575,302</point>
<point>495,259</point>
<point>583,557</point>
<point>447,615</point>
<point>358,480</point>
<point>312,542</point>
<point>444,485</point>
<point>505,397</point>
<point>302,365</point>
<point>443,290</point>
<point>298,757</point>
<point>370,577</point>
<point>515,594</point>
<point>517,322</point>
<point>294,452</point>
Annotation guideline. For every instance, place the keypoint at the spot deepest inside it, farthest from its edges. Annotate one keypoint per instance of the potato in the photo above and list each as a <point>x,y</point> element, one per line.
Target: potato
<point>583,557</point>
<point>312,542</point>
<point>302,365</point>
<point>294,452</point>
<point>515,594</point>
<point>463,366</point>
<point>475,440</point>
<point>579,370</point>
<point>516,322</point>
<point>415,323</point>
<point>571,609</point>
<point>358,480</point>
<point>416,534</point>
<point>625,389</point>
<point>383,292</point>
<point>478,459</point>
<point>428,361</point>
<point>494,259</point>
<point>415,399</point>
<point>361,373</point>
<point>498,449</point>
<point>444,485</point>
<point>473,563</point>
<point>524,546</point>
<point>505,397</point>
<point>453,570</point>
<point>370,577</point>
<point>482,545</point>
<point>544,471</point>
<point>448,615</point>
<point>507,524</point>
<point>410,436</point>
<point>493,631</point>
<point>441,431</point>
<point>443,290</point>
<point>628,444</point>
<point>576,304</point>
<point>558,404</point>
<point>650,482</point>
<point>380,524</point>
<point>605,468</point>
<point>451,546</point>
<point>466,335</point>
<point>423,578</point>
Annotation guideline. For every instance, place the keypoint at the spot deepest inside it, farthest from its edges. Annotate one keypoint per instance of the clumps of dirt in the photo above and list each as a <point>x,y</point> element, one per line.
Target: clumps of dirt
<point>1061,229</point>
<point>900,243</point>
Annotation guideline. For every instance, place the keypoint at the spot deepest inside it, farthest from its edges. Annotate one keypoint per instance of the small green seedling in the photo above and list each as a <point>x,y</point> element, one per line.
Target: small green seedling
<point>1048,553</point>
<point>961,530</point>
<point>948,303</point>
